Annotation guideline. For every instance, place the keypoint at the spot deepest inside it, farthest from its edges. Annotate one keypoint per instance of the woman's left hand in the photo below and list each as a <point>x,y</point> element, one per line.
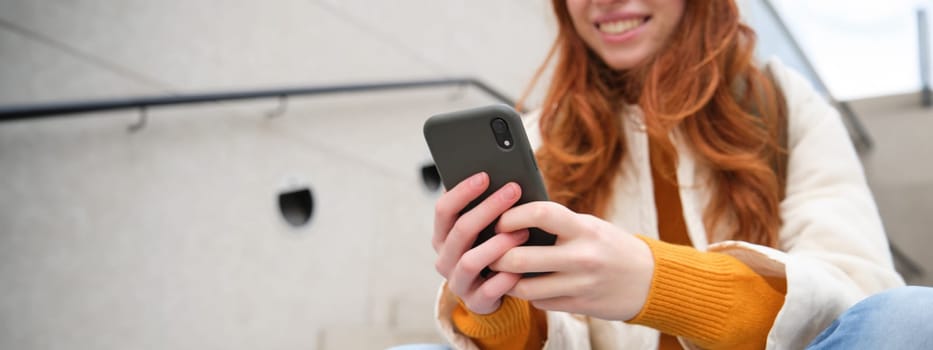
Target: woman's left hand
<point>597,268</point>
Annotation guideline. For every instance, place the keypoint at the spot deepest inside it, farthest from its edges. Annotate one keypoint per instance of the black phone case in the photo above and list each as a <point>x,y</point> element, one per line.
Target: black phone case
<point>462,144</point>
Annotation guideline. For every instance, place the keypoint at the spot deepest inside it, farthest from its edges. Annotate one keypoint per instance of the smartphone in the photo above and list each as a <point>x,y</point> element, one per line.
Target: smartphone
<point>490,139</point>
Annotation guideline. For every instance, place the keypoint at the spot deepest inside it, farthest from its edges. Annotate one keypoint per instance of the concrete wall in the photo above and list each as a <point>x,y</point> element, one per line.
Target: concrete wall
<point>170,237</point>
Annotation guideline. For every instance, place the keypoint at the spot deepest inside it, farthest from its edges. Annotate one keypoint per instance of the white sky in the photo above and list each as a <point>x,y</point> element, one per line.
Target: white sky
<point>860,48</point>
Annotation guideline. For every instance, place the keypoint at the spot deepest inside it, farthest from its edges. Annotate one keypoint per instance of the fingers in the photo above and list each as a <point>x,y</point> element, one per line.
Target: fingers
<point>548,216</point>
<point>467,270</point>
<point>549,286</point>
<point>451,203</point>
<point>533,259</point>
<point>467,227</point>
<point>487,298</point>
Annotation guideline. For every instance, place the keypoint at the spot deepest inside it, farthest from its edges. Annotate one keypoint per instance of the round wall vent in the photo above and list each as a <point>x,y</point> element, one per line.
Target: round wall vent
<point>430,177</point>
<point>297,206</point>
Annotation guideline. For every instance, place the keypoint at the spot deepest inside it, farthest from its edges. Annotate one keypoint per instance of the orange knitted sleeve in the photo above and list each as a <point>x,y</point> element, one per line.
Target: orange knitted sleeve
<point>711,299</point>
<point>516,325</point>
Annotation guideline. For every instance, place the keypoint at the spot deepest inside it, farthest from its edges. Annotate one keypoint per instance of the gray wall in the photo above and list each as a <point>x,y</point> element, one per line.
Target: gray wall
<point>170,237</point>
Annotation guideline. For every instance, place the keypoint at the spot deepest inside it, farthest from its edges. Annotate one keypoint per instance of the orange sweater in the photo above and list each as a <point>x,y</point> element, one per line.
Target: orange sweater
<point>711,299</point>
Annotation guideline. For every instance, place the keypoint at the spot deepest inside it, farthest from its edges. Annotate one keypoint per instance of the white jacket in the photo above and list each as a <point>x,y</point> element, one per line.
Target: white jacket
<point>832,248</point>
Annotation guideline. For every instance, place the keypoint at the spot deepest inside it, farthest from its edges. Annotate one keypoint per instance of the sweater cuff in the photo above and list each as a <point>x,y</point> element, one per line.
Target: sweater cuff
<point>691,292</point>
<point>512,317</point>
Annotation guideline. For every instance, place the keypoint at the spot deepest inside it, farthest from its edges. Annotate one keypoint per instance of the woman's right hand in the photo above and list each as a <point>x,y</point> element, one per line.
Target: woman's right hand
<point>454,235</point>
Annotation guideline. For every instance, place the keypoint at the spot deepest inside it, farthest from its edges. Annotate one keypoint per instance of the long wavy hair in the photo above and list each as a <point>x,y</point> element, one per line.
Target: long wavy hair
<point>704,83</point>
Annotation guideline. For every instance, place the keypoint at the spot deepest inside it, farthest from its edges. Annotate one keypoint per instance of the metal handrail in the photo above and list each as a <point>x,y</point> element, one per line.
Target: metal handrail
<point>32,111</point>
<point>923,49</point>
<point>862,138</point>
<point>863,142</point>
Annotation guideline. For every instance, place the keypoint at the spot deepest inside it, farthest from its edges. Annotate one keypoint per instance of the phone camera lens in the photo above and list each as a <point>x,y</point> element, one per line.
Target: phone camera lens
<point>498,125</point>
<point>500,130</point>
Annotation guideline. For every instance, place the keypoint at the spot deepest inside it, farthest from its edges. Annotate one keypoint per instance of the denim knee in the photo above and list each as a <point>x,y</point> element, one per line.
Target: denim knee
<point>899,318</point>
<point>905,306</point>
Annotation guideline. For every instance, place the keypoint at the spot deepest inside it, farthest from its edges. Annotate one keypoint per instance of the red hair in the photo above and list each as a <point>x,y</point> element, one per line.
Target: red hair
<point>704,83</point>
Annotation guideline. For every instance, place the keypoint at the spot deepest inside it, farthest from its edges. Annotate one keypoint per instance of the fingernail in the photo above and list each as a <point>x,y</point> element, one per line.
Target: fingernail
<point>478,179</point>
<point>509,191</point>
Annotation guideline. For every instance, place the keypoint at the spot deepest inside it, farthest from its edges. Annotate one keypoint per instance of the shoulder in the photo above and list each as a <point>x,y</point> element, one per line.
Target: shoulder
<point>806,107</point>
<point>795,86</point>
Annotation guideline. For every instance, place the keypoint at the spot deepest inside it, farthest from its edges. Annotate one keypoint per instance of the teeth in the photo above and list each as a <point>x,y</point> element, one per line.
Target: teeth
<point>619,27</point>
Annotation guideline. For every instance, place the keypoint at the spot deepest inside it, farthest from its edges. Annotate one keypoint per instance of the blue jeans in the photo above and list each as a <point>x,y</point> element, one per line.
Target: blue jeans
<point>900,318</point>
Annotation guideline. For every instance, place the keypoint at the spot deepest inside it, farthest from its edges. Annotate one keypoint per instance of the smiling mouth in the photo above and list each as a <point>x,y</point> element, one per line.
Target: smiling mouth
<point>621,26</point>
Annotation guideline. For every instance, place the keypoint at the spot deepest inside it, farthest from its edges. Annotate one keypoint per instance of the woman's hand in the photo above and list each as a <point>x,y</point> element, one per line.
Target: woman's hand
<point>454,235</point>
<point>598,269</point>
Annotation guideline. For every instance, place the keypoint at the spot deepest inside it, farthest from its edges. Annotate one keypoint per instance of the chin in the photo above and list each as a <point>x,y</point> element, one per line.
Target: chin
<point>623,64</point>
<point>624,60</point>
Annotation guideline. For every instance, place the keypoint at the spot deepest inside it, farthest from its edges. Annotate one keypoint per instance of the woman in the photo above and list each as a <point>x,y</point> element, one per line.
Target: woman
<point>699,200</point>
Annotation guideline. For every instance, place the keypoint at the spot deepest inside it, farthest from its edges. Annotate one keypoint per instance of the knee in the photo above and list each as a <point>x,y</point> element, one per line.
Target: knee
<point>909,297</point>
<point>894,319</point>
<point>909,303</point>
